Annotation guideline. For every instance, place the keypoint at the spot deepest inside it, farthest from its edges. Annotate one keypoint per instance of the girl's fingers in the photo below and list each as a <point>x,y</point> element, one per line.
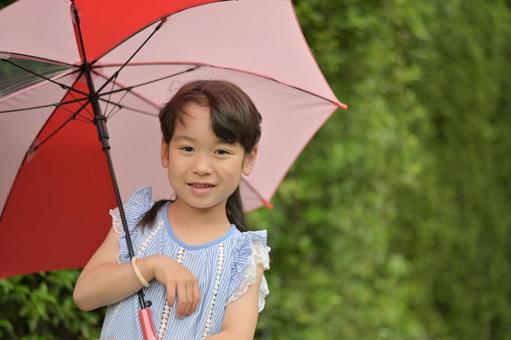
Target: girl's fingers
<point>196,295</point>
<point>189,301</point>
<point>182,299</point>
<point>171,293</point>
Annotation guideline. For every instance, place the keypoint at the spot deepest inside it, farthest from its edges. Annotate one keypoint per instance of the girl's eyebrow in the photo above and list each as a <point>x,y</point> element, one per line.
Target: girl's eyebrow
<point>185,137</point>
<point>191,139</point>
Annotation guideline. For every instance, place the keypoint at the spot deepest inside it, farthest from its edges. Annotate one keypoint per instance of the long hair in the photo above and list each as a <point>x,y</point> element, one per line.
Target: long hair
<point>234,119</point>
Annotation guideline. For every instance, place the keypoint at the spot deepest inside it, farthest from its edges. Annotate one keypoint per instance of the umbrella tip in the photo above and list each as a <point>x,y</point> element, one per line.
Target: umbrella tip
<point>267,204</point>
<point>342,106</point>
<point>5,56</point>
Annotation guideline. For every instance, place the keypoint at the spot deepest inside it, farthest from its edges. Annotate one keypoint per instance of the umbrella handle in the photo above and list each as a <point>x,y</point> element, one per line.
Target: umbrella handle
<point>147,324</point>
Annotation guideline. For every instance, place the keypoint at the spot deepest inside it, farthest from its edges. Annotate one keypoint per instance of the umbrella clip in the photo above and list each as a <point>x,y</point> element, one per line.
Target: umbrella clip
<point>162,21</point>
<point>31,152</point>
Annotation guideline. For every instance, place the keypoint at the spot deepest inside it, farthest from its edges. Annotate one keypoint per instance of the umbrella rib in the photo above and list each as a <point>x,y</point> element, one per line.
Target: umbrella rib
<point>78,116</point>
<point>8,55</point>
<point>56,105</point>
<point>110,96</point>
<point>87,110</point>
<point>113,112</point>
<point>136,95</point>
<point>119,106</point>
<point>138,111</point>
<point>336,103</point>
<point>129,88</point>
<point>116,73</point>
<point>109,114</point>
<point>63,86</point>
<point>34,147</point>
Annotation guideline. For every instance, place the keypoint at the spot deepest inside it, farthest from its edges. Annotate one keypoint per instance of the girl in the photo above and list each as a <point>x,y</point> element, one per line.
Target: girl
<point>206,269</point>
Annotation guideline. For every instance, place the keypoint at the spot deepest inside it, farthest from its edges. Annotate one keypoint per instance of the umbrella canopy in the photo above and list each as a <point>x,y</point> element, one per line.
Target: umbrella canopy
<point>55,188</point>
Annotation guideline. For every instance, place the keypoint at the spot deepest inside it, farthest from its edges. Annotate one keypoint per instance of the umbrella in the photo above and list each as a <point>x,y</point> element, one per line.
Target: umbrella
<point>85,69</point>
<point>90,68</point>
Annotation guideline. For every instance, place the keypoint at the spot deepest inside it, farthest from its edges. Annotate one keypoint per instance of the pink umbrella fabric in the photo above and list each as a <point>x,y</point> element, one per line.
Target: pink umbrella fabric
<point>55,189</point>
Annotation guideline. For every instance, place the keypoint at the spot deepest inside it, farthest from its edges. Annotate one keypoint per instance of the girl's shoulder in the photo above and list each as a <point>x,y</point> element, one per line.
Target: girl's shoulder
<point>250,250</point>
<point>251,245</point>
<point>246,240</point>
<point>137,204</point>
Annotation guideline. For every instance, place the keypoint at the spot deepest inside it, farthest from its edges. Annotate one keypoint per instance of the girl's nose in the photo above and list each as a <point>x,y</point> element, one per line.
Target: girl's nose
<point>202,165</point>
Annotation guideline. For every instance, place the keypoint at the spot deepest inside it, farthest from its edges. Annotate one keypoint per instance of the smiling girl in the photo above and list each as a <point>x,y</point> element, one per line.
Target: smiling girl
<point>199,266</point>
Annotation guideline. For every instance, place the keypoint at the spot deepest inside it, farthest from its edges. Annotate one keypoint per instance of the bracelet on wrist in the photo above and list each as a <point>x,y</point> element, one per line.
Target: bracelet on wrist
<point>137,272</point>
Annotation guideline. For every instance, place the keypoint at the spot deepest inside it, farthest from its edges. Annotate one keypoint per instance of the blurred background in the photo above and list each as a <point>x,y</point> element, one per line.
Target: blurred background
<point>395,222</point>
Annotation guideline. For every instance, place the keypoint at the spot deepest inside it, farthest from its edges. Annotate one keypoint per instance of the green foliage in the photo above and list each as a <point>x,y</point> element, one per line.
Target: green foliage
<point>394,223</point>
<point>402,199</point>
<point>41,306</point>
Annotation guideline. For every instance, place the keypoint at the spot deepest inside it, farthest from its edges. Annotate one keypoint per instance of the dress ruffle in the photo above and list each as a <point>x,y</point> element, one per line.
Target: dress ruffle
<point>251,250</point>
<point>134,208</point>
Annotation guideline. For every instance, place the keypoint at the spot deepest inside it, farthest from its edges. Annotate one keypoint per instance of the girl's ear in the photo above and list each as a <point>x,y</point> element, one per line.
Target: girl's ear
<point>164,154</point>
<point>249,162</point>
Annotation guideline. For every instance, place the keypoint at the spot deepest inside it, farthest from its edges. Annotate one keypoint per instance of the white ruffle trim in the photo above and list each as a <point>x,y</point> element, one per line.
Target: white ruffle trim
<point>116,220</point>
<point>259,256</point>
<point>117,227</point>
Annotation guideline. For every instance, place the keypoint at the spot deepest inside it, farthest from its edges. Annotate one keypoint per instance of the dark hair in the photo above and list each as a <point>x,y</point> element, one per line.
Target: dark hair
<point>234,119</point>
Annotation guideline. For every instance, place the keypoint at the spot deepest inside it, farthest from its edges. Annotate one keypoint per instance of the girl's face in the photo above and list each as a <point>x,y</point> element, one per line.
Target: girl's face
<point>203,170</point>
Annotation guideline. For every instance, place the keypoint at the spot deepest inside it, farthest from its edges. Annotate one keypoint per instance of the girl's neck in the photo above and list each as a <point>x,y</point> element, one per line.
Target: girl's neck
<point>183,215</point>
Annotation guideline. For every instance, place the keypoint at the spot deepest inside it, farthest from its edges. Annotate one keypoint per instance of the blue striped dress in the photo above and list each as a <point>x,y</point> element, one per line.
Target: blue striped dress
<point>224,267</point>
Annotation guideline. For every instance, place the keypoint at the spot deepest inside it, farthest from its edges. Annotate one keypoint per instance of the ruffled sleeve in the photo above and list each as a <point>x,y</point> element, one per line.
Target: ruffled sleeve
<point>135,207</point>
<point>250,250</point>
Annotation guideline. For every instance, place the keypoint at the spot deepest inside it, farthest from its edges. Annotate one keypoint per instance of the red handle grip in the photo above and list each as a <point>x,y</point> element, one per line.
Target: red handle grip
<point>147,324</point>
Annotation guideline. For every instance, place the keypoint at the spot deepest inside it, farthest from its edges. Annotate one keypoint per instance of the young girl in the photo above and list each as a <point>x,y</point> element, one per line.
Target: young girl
<point>205,270</point>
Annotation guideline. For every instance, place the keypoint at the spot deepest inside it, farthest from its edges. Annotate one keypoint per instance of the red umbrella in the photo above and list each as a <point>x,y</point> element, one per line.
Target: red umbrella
<point>104,69</point>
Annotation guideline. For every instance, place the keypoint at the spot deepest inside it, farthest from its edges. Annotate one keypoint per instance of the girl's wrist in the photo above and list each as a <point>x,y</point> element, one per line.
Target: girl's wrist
<point>146,267</point>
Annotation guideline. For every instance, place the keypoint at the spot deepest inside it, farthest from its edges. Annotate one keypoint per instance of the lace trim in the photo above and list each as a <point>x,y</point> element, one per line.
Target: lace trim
<point>259,256</point>
<point>116,220</point>
<point>219,271</point>
<point>164,321</point>
<point>149,237</point>
<point>117,227</point>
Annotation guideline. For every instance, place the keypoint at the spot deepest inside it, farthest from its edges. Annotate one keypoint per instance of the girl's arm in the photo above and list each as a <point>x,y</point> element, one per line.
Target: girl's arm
<point>240,317</point>
<point>103,281</point>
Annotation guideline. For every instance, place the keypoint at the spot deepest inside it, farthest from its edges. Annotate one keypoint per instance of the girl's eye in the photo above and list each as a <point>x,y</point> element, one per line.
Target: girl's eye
<point>222,152</point>
<point>186,148</point>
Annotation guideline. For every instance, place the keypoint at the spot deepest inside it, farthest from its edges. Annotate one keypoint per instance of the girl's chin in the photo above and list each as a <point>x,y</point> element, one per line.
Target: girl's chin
<point>200,204</point>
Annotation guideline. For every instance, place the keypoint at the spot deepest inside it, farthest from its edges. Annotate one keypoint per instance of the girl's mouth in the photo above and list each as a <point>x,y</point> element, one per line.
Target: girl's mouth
<point>201,185</point>
<point>201,188</point>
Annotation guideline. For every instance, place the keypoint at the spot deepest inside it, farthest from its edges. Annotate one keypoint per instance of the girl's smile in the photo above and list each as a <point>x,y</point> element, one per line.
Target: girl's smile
<point>201,188</point>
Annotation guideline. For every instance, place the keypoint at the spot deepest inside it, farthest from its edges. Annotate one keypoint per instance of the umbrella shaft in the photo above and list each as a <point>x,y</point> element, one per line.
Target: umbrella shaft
<point>100,121</point>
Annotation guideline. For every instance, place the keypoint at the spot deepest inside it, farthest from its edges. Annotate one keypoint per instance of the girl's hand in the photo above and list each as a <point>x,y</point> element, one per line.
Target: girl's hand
<point>178,280</point>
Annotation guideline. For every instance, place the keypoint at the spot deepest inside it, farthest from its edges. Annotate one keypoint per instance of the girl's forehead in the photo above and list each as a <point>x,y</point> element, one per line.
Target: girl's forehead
<point>194,117</point>
<point>194,123</point>
<point>192,110</point>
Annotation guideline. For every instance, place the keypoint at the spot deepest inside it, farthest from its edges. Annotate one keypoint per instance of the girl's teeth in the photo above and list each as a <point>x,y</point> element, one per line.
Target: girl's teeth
<point>201,185</point>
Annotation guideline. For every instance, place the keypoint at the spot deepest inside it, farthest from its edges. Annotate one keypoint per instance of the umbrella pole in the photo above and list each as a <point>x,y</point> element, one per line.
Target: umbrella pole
<point>100,122</point>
